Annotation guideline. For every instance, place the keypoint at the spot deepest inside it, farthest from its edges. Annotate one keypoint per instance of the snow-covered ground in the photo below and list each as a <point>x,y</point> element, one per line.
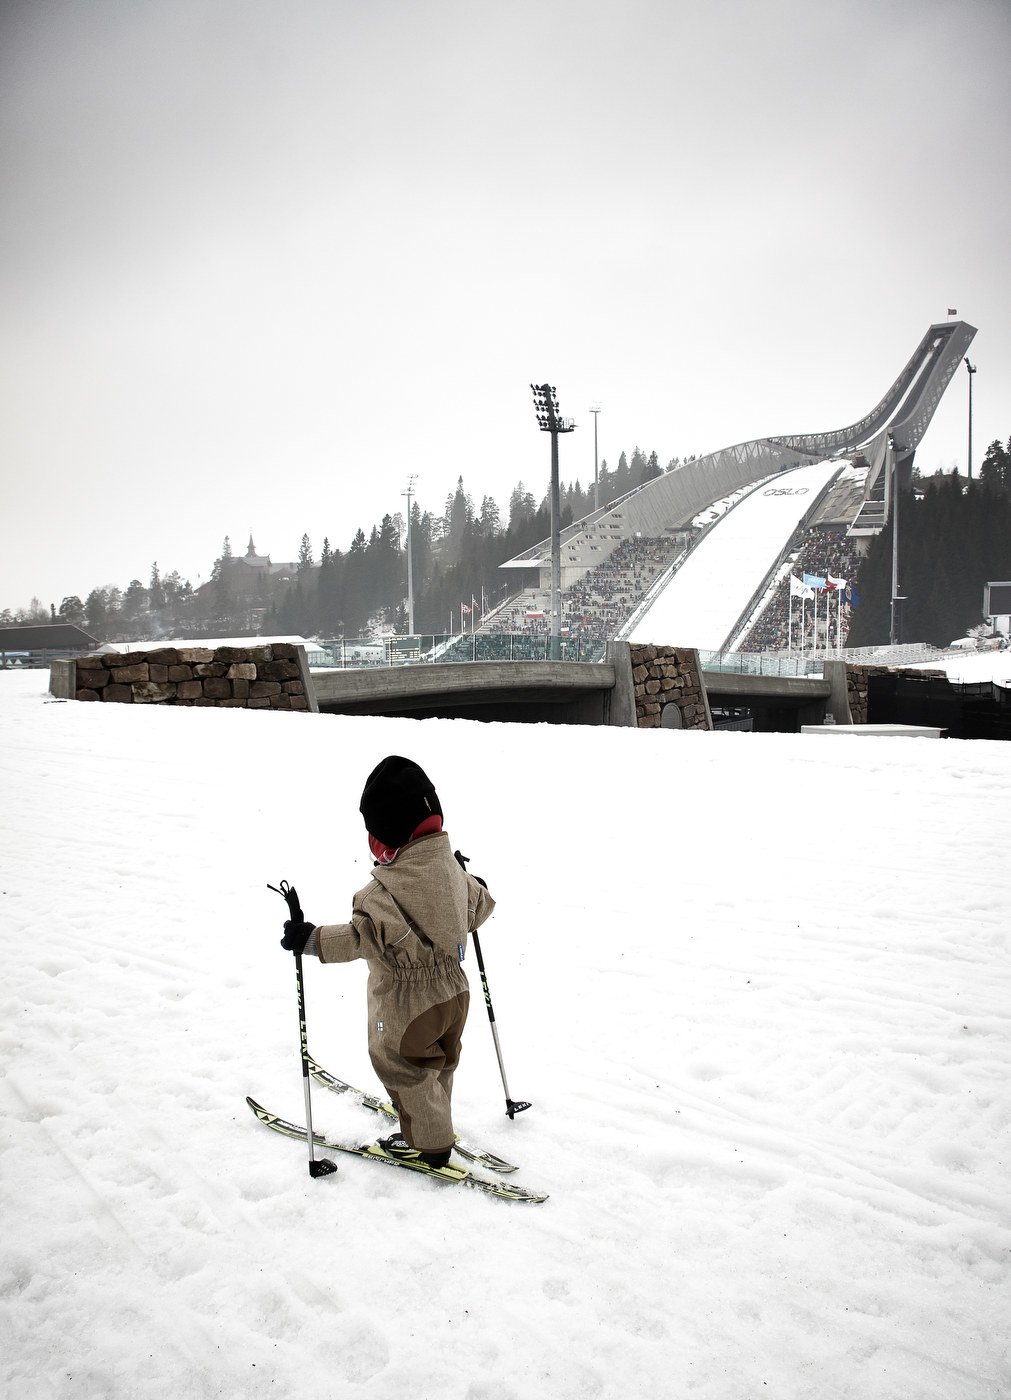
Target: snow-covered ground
<point>757,988</point>
<point>972,667</point>
<point>710,591</point>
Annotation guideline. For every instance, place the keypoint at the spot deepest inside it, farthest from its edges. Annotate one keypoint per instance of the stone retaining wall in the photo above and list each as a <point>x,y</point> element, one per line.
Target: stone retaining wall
<point>663,676</point>
<point>269,677</point>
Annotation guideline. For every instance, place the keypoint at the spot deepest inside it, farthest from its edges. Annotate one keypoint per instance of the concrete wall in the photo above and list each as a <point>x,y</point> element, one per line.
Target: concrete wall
<point>269,677</point>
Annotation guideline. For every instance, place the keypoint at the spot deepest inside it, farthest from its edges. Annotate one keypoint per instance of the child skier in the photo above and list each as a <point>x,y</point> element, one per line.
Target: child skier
<point>410,923</point>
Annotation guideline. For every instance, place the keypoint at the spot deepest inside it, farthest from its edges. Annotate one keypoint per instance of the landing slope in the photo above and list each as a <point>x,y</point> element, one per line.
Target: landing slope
<point>704,600</point>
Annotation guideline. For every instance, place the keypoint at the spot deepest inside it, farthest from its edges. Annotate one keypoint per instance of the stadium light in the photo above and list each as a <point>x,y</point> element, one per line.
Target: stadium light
<point>550,421</point>
<point>972,371</point>
<point>895,627</point>
<point>410,565</point>
<point>595,410</point>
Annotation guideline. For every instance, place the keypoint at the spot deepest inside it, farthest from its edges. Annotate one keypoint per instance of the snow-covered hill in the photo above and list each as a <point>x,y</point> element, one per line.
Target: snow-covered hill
<point>757,988</point>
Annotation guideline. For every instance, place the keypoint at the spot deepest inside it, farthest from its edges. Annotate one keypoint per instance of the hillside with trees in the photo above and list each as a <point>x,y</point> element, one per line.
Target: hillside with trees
<point>330,592</point>
<point>954,536</point>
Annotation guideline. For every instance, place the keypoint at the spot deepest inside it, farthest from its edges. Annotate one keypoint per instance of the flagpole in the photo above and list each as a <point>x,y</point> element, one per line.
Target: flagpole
<point>814,630</point>
<point>789,625</point>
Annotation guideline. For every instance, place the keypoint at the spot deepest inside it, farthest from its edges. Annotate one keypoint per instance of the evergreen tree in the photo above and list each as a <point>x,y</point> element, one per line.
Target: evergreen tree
<point>605,482</point>
<point>96,613</point>
<point>72,610</point>
<point>155,593</point>
<point>328,590</point>
<point>459,523</point>
<point>356,609</point>
<point>521,506</point>
<point>134,604</point>
<point>652,469</point>
<point>996,468</point>
<point>387,569</point>
<point>622,478</point>
<point>952,540</point>
<point>490,517</point>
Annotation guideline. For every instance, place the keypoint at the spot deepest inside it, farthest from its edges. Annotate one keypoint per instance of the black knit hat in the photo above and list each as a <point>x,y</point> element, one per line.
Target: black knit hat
<point>398,796</point>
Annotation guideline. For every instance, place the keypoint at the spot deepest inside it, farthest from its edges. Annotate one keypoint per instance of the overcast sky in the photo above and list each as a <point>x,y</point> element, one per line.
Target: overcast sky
<point>261,261</point>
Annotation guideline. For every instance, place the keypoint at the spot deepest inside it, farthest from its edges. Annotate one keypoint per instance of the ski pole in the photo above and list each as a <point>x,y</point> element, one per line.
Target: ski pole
<point>512,1107</point>
<point>317,1166</point>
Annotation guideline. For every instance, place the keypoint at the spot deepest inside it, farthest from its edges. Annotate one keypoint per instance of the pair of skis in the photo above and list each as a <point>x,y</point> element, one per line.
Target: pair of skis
<point>295,931</point>
<point>451,1175</point>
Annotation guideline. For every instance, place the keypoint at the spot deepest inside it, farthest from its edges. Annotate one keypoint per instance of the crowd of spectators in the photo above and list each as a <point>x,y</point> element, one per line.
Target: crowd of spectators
<point>596,606</point>
<point>519,646</point>
<point>603,598</point>
<point>822,552</point>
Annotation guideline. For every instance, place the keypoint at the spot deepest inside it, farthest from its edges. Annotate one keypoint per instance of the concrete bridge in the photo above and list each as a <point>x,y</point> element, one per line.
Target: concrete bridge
<point>532,692</point>
<point>567,692</point>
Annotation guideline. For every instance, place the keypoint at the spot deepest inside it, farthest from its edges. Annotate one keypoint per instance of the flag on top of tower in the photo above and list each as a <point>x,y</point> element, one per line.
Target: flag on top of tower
<point>952,311</point>
<point>814,581</point>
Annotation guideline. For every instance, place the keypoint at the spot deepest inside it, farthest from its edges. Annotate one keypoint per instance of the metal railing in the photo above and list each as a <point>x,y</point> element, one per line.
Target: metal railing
<point>431,649</point>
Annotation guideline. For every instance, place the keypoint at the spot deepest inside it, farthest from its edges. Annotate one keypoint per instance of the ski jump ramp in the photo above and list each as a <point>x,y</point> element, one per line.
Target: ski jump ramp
<point>704,599</point>
<point>673,500</point>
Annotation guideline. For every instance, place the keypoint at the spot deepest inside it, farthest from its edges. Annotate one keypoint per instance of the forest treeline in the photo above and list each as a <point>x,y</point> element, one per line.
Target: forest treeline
<point>954,536</point>
<point>330,592</point>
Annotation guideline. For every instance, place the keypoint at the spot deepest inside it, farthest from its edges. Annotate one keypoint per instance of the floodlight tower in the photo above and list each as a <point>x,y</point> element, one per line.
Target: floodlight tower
<point>410,567</point>
<point>895,627</point>
<point>972,371</point>
<point>595,410</point>
<point>546,408</point>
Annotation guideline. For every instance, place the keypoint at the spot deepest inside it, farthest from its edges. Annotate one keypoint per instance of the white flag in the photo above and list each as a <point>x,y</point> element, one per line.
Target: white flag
<point>839,583</point>
<point>799,590</point>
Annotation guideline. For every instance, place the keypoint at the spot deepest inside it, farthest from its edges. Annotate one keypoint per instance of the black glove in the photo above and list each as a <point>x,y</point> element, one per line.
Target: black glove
<point>464,861</point>
<point>296,934</point>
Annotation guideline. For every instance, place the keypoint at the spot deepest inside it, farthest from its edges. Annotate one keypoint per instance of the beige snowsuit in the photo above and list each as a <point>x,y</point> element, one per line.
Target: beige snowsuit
<point>410,923</point>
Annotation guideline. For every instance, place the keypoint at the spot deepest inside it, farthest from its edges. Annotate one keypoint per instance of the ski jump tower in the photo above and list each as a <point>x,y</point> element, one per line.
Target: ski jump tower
<point>671,501</point>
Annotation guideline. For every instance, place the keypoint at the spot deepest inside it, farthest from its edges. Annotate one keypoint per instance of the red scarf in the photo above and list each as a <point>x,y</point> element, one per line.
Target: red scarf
<point>386,855</point>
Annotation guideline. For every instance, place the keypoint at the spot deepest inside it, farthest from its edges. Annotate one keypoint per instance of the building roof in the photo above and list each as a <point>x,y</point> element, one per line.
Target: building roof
<point>52,636</point>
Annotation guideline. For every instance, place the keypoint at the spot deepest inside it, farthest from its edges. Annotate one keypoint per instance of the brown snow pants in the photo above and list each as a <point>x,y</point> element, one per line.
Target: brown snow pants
<point>415,1053</point>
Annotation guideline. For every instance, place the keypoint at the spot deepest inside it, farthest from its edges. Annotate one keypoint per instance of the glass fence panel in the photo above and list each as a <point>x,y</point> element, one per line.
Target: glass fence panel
<point>760,663</point>
<point>358,652</point>
<point>456,648</point>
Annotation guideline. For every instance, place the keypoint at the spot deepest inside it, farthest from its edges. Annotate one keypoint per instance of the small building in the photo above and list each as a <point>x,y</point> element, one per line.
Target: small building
<point>38,646</point>
<point>246,573</point>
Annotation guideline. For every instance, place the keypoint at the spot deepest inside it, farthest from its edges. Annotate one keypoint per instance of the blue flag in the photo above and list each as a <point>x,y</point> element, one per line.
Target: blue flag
<point>813,581</point>
<point>852,596</point>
